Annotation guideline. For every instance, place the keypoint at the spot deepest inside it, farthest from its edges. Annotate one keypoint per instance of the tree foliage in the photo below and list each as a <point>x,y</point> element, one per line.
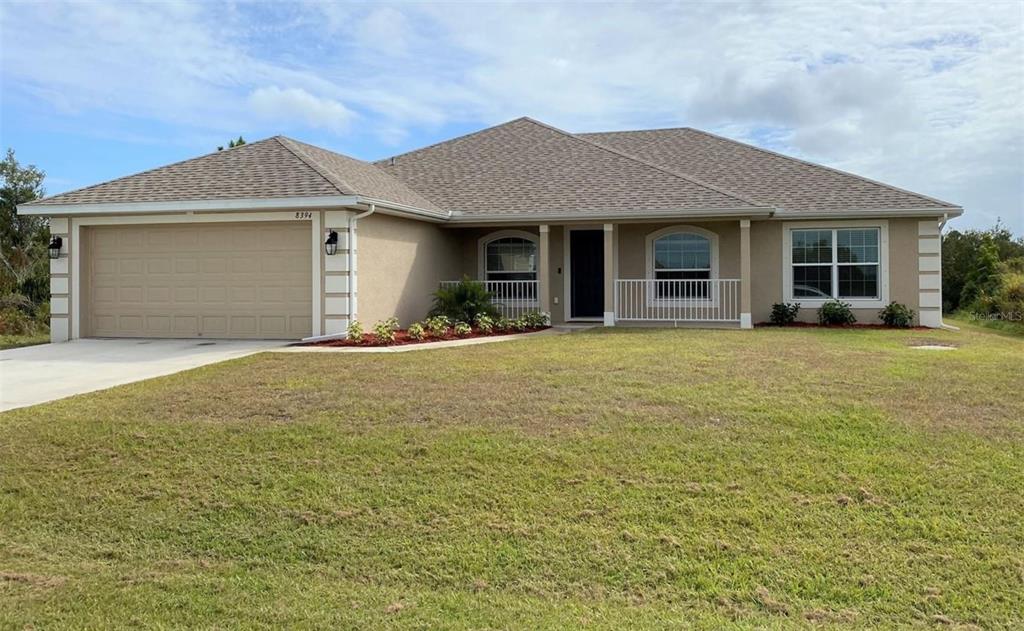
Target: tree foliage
<point>233,143</point>
<point>23,239</point>
<point>960,260</point>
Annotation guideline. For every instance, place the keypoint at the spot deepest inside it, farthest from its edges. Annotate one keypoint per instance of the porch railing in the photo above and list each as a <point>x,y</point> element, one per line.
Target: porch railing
<point>512,298</point>
<point>648,300</point>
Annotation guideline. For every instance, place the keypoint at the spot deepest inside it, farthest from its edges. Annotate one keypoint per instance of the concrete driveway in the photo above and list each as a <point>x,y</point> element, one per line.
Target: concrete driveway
<point>36,374</point>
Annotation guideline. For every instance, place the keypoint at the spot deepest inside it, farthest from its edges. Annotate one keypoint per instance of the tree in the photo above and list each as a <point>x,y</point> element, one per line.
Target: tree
<point>233,143</point>
<point>960,251</point>
<point>983,277</point>
<point>23,239</point>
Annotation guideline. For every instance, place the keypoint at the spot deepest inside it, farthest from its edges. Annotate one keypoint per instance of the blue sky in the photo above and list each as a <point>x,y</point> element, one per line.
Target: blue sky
<point>926,96</point>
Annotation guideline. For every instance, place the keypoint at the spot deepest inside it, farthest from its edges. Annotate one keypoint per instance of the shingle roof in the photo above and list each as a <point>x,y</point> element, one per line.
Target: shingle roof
<point>523,167</point>
<point>277,167</point>
<point>771,178</point>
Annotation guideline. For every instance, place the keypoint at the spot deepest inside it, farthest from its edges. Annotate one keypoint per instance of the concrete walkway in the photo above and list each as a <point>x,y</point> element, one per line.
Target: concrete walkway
<point>36,374</point>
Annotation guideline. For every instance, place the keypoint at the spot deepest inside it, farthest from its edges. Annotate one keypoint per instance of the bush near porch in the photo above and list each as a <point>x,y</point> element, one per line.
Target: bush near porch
<point>611,479</point>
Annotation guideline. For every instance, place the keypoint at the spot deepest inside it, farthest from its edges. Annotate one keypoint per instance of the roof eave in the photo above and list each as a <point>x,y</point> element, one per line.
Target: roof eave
<point>178,206</point>
<point>946,211</point>
<point>548,217</point>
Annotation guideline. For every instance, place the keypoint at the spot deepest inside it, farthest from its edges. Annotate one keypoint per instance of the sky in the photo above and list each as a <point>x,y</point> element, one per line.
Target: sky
<point>924,96</point>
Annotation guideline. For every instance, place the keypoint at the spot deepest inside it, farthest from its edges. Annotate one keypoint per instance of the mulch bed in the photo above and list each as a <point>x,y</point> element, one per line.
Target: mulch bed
<point>402,338</point>
<point>815,325</point>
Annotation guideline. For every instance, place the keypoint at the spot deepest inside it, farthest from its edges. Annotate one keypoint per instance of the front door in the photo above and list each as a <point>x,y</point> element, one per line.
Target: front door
<point>586,273</point>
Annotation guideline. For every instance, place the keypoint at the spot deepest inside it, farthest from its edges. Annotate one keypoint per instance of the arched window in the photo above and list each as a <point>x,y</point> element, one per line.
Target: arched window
<point>510,258</point>
<point>682,256</point>
<point>685,254</point>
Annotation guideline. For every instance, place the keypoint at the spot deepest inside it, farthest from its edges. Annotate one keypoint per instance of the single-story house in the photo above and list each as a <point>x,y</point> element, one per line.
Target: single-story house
<point>653,226</point>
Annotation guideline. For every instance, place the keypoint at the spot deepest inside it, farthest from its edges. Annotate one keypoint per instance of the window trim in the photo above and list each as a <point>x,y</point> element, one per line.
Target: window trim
<point>712,237</point>
<point>882,225</point>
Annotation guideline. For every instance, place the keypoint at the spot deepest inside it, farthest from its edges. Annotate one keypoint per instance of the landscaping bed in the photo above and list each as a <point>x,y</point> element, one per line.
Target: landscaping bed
<point>861,325</point>
<point>403,338</point>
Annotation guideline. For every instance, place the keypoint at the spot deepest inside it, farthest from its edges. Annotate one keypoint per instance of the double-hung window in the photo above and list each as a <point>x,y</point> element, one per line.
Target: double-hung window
<point>685,257</point>
<point>836,263</point>
<point>511,259</point>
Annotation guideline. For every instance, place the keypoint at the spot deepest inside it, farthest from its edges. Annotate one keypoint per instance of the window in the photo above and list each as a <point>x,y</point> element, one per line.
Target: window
<point>684,256</point>
<point>836,263</point>
<point>511,258</point>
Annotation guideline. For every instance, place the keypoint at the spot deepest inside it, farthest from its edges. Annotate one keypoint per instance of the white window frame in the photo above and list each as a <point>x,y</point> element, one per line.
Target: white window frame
<point>481,258</point>
<point>882,225</point>
<point>712,238</point>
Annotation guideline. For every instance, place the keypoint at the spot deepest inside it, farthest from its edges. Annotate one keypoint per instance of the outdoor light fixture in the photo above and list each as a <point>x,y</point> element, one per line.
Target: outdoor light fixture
<point>55,245</point>
<point>331,244</point>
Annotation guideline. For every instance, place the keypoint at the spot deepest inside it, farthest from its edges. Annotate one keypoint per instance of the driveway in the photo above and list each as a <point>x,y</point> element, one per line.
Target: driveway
<point>36,374</point>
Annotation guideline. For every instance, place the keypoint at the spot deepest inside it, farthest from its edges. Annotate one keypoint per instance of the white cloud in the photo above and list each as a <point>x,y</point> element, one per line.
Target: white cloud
<point>286,105</point>
<point>927,96</point>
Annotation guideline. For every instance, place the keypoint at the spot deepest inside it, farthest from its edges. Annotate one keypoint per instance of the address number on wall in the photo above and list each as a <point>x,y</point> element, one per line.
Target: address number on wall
<point>304,214</point>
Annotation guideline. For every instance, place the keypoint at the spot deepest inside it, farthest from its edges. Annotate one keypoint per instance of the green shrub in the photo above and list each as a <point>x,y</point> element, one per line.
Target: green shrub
<point>14,321</point>
<point>384,331</point>
<point>462,329</point>
<point>897,314</point>
<point>784,313</point>
<point>438,325</point>
<point>1005,300</point>
<point>536,319</point>
<point>836,312</point>
<point>502,324</point>
<point>355,331</point>
<point>484,324</point>
<point>416,331</point>
<point>520,324</point>
<point>463,302</point>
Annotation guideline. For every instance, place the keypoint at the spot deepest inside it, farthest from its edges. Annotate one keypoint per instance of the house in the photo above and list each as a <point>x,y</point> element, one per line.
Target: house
<point>655,226</point>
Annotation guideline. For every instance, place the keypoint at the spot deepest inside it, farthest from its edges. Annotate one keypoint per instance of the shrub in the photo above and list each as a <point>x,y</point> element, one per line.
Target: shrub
<point>1005,300</point>
<point>520,324</point>
<point>503,324</point>
<point>384,331</point>
<point>463,302</point>
<point>896,314</point>
<point>462,329</point>
<point>14,321</point>
<point>416,331</point>
<point>355,331</point>
<point>784,313</point>
<point>484,323</point>
<point>438,325</point>
<point>536,319</point>
<point>836,312</point>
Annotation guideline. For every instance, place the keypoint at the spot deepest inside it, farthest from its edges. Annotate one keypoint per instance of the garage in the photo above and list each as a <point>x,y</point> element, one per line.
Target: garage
<point>210,280</point>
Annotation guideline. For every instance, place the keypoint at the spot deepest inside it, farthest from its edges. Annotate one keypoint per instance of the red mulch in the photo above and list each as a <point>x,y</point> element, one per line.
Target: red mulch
<point>815,325</point>
<point>402,338</point>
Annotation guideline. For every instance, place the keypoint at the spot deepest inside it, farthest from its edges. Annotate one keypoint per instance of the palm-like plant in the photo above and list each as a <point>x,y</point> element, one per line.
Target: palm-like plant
<point>464,301</point>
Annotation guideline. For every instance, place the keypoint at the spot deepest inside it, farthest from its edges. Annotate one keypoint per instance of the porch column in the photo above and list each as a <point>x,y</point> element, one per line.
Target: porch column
<point>609,274</point>
<point>544,270</point>
<point>746,321</point>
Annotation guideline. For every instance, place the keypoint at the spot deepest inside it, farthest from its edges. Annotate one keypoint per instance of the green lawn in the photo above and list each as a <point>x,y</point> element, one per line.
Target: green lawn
<point>610,479</point>
<point>16,341</point>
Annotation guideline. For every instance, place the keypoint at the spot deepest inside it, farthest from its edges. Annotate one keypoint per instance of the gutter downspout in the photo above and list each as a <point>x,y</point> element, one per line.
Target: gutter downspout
<point>352,288</point>
<point>942,224</point>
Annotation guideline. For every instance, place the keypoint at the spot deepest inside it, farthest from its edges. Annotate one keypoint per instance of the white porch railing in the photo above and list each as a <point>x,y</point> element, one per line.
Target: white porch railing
<point>648,300</point>
<point>512,298</point>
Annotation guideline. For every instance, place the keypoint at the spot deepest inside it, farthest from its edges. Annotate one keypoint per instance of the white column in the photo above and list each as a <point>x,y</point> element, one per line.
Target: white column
<point>60,282</point>
<point>544,269</point>
<point>609,274</point>
<point>929,278</point>
<point>746,321</point>
<point>339,283</point>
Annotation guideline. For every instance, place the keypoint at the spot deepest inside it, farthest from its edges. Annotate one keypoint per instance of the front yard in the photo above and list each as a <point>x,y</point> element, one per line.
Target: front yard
<point>608,479</point>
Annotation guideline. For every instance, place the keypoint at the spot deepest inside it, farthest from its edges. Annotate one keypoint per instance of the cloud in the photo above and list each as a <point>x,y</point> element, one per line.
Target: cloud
<point>924,96</point>
<point>286,106</point>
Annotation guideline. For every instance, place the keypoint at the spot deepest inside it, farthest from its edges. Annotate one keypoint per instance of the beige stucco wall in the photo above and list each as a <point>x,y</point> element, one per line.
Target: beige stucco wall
<point>399,265</point>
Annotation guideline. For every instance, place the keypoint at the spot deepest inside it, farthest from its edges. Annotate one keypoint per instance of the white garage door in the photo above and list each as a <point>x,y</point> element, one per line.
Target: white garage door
<point>198,280</point>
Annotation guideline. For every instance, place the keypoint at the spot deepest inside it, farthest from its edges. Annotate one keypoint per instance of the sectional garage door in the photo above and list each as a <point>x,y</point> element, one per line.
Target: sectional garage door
<point>209,280</point>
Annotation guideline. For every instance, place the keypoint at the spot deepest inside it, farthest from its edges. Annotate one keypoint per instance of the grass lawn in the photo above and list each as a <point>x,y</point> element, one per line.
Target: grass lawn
<point>16,341</point>
<point>609,479</point>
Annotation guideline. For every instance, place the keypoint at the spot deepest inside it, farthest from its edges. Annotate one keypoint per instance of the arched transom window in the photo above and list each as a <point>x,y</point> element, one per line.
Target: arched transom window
<point>682,256</point>
<point>511,258</point>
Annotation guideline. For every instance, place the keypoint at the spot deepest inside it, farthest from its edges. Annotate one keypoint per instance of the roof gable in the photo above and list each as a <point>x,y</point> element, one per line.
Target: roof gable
<point>771,178</point>
<point>527,167</point>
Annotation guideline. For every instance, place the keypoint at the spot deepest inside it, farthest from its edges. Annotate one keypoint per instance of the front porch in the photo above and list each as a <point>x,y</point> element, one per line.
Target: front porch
<point>616,274</point>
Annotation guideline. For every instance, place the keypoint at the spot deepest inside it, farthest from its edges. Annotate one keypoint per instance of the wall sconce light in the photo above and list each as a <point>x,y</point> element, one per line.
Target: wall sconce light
<point>331,244</point>
<point>55,245</point>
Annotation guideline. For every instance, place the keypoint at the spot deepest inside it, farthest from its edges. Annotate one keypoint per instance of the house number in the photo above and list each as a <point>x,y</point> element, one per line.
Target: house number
<point>304,214</point>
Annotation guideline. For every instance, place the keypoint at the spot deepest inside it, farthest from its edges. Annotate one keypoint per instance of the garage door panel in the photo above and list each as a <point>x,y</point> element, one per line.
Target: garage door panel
<point>201,280</point>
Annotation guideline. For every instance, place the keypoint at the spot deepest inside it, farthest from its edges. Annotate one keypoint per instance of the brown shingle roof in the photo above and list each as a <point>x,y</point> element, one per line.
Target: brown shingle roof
<point>771,178</point>
<point>527,167</point>
<point>277,167</point>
